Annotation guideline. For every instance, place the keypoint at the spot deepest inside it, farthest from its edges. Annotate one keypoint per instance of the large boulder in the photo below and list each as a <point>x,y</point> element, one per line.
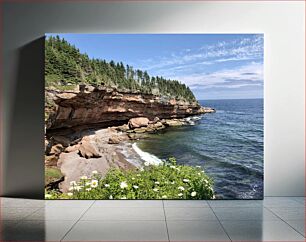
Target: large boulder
<point>87,149</point>
<point>138,122</point>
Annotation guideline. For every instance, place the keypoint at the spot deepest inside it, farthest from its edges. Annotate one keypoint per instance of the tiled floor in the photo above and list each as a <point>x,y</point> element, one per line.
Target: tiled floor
<point>274,219</point>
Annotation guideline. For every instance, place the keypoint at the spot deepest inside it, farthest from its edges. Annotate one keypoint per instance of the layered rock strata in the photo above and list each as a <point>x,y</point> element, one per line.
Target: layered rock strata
<point>109,107</point>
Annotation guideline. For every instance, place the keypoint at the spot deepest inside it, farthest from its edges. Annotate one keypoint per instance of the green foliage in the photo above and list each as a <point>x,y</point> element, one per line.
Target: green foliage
<point>64,64</point>
<point>165,181</point>
<point>52,174</point>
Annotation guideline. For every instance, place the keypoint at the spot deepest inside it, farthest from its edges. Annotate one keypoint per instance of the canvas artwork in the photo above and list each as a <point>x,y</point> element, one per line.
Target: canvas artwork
<point>154,116</point>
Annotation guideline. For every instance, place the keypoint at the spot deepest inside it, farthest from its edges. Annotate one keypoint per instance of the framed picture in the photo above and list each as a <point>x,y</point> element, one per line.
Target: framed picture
<point>154,116</point>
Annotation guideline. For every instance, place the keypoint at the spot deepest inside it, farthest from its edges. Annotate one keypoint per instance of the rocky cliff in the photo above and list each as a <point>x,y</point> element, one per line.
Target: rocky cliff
<point>77,141</point>
<point>101,106</point>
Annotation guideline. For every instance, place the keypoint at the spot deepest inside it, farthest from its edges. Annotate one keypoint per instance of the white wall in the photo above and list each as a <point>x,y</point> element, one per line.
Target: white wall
<point>282,23</point>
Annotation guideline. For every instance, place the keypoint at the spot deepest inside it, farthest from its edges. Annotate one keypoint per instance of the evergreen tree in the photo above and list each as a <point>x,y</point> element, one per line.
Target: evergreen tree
<point>64,64</point>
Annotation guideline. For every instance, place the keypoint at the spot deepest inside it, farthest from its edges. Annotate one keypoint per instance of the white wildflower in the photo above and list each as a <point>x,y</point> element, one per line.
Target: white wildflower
<point>172,182</point>
<point>48,196</point>
<point>136,187</point>
<point>71,188</point>
<point>94,183</point>
<point>123,198</point>
<point>185,180</point>
<point>83,177</point>
<point>156,182</point>
<point>106,185</point>
<point>70,194</point>
<point>94,172</point>
<point>180,194</point>
<point>110,197</point>
<point>138,175</point>
<point>193,194</point>
<point>198,166</point>
<point>181,188</point>
<point>78,188</point>
<point>155,189</point>
<point>88,189</point>
<point>133,178</point>
<point>73,183</point>
<point>173,167</point>
<point>123,185</point>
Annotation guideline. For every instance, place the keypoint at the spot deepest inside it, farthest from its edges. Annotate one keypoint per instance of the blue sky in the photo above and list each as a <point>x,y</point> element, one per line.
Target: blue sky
<point>214,66</point>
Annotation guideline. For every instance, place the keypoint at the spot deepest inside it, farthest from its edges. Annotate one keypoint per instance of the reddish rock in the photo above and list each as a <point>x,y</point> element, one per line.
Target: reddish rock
<point>88,150</point>
<point>138,122</point>
<point>109,107</point>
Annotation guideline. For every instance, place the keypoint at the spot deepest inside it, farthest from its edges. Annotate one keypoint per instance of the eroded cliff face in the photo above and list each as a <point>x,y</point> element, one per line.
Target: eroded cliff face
<point>108,107</point>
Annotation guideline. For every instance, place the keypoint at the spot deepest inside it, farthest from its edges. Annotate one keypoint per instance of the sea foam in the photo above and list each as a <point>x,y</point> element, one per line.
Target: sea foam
<point>151,159</point>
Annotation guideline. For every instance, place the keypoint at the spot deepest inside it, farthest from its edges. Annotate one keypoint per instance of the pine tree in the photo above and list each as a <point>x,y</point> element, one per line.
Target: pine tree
<point>65,64</point>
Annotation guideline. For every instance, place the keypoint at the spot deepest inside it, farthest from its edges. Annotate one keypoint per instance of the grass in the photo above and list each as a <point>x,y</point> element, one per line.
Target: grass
<point>52,174</point>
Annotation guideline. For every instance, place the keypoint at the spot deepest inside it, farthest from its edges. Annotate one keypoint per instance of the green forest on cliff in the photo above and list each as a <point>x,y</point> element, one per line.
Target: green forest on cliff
<point>66,66</point>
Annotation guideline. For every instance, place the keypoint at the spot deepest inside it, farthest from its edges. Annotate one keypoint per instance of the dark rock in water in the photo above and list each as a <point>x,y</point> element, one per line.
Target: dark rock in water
<point>173,123</point>
<point>207,110</point>
<point>137,136</point>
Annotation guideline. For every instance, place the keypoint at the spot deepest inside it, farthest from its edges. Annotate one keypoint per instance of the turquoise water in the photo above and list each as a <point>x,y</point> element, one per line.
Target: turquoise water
<point>228,144</point>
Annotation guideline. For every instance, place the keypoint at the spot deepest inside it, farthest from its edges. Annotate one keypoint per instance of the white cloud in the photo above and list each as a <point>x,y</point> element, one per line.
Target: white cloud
<point>251,74</point>
<point>247,48</point>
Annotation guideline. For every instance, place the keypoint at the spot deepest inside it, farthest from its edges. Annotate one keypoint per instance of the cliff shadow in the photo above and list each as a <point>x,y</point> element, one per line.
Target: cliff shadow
<point>24,164</point>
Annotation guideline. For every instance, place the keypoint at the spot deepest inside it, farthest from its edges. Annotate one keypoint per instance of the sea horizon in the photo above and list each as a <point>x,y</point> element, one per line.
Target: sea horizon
<point>224,99</point>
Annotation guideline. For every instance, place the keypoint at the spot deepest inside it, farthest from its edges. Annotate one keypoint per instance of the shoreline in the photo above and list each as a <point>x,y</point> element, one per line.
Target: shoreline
<point>102,149</point>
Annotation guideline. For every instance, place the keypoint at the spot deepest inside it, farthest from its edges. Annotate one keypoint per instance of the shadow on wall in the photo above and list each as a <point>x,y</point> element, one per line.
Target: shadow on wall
<point>24,165</point>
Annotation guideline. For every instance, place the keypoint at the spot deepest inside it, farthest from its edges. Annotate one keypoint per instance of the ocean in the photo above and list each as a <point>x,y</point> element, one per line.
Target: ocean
<point>228,145</point>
